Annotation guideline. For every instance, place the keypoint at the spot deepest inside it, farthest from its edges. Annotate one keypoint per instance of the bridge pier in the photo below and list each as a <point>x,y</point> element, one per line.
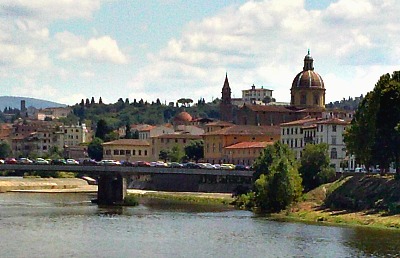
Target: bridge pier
<point>111,189</point>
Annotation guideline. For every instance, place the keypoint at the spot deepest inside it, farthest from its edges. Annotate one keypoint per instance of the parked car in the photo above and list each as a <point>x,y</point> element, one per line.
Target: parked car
<point>58,162</point>
<point>206,165</point>
<point>109,162</point>
<point>241,167</point>
<point>142,164</point>
<point>88,162</point>
<point>2,161</point>
<point>191,165</point>
<point>359,170</point>
<point>174,165</point>
<point>227,166</point>
<point>71,162</point>
<point>24,161</point>
<point>128,163</point>
<point>41,161</point>
<point>10,161</point>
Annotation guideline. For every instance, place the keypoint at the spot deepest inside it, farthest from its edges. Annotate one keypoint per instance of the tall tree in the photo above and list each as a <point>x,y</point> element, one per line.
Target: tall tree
<point>279,183</point>
<point>373,137</point>
<point>95,149</point>
<point>315,166</point>
<point>195,150</point>
<point>5,150</point>
<point>102,129</point>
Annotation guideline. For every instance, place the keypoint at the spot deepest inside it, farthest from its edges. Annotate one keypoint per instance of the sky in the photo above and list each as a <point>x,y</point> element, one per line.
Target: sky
<point>65,51</point>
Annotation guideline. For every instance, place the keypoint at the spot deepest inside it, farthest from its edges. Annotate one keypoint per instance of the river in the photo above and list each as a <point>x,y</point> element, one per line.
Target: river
<point>69,225</point>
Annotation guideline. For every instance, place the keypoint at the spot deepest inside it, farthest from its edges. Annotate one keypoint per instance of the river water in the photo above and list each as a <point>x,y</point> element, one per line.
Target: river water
<point>69,225</point>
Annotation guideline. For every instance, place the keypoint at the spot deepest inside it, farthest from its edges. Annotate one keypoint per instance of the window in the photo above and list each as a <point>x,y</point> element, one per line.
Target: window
<point>122,152</point>
<point>108,152</point>
<point>333,128</point>
<point>116,152</point>
<point>145,152</point>
<point>133,152</point>
<point>140,152</point>
<point>333,153</point>
<point>128,152</point>
<point>283,131</point>
<point>176,140</point>
<point>303,99</point>
<point>333,140</point>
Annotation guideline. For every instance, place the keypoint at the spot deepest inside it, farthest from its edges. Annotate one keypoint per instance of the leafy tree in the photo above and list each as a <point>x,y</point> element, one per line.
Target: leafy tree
<point>111,136</point>
<point>95,149</point>
<point>195,150</point>
<point>315,166</point>
<point>176,154</point>
<point>164,155</point>
<point>373,137</point>
<point>5,150</point>
<point>279,183</point>
<point>102,129</point>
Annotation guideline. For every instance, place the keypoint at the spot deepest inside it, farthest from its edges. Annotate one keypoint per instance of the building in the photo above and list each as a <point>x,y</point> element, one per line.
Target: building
<point>299,133</point>
<point>215,141</point>
<point>168,141</point>
<point>226,106</point>
<point>308,88</point>
<point>145,133</point>
<point>245,152</point>
<point>128,150</point>
<point>256,95</point>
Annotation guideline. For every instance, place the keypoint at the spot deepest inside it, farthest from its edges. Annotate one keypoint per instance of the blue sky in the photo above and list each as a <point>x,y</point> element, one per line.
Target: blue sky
<point>68,50</point>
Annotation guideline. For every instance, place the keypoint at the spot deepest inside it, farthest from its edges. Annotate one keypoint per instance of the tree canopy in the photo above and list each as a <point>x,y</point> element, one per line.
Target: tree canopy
<point>5,150</point>
<point>373,137</point>
<point>195,150</point>
<point>95,149</point>
<point>315,166</point>
<point>279,182</point>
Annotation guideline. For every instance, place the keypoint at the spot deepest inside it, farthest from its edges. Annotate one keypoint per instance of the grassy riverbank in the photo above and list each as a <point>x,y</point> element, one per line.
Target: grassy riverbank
<point>314,209</point>
<point>199,198</point>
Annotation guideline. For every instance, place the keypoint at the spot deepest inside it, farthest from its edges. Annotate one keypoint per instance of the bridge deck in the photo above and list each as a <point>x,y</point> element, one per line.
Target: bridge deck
<point>123,170</point>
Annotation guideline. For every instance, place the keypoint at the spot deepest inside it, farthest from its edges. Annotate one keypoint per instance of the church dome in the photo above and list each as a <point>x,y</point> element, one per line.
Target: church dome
<point>308,78</point>
<point>183,116</point>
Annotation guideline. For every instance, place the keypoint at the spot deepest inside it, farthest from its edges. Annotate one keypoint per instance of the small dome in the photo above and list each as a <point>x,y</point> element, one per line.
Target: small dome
<point>183,116</point>
<point>308,79</point>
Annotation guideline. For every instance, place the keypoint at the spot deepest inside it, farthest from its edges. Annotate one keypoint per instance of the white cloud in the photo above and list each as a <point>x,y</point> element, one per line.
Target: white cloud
<point>102,49</point>
<point>264,42</point>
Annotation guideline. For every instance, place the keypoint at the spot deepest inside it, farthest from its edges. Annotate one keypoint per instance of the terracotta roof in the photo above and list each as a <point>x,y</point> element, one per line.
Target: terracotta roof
<point>147,128</point>
<point>248,145</point>
<point>311,110</point>
<point>268,108</point>
<point>220,123</point>
<point>335,121</point>
<point>300,122</point>
<point>311,126</point>
<point>183,116</point>
<point>178,136</point>
<point>247,130</point>
<point>133,142</point>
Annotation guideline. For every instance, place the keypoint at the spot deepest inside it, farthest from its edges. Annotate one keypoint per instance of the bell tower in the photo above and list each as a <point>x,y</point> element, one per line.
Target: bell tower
<point>226,107</point>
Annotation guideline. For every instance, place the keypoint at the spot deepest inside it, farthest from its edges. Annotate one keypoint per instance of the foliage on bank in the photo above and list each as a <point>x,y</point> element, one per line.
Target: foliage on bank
<point>279,182</point>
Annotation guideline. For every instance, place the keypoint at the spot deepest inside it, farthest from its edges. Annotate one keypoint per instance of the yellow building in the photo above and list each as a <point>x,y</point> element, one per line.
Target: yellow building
<point>127,149</point>
<point>215,142</point>
<point>167,141</point>
<point>245,153</point>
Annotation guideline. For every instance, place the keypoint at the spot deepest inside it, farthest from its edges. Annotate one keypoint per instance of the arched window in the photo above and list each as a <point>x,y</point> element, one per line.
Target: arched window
<point>333,153</point>
<point>303,99</point>
<point>316,99</point>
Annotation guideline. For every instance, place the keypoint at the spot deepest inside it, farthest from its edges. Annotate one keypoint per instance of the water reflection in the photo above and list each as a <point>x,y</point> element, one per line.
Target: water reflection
<point>69,225</point>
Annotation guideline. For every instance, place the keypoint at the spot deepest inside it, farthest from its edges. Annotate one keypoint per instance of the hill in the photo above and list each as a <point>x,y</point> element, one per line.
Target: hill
<point>15,102</point>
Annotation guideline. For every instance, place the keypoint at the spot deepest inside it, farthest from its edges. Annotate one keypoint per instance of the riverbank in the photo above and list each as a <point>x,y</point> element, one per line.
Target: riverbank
<point>46,185</point>
<point>330,204</point>
<point>193,197</point>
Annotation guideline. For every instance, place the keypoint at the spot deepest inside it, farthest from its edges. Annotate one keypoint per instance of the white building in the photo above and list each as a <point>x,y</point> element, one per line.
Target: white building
<point>73,135</point>
<point>147,132</point>
<point>298,133</point>
<point>254,95</point>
